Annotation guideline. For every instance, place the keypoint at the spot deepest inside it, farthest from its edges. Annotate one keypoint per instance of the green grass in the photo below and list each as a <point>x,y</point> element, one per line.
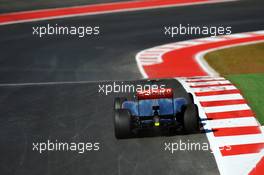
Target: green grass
<point>252,88</point>
<point>238,60</point>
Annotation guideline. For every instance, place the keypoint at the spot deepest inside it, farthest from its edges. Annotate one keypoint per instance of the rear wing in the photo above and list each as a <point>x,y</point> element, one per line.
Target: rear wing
<point>155,94</point>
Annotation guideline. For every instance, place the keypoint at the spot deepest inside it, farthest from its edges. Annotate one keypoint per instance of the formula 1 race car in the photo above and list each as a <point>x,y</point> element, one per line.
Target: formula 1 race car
<point>154,109</point>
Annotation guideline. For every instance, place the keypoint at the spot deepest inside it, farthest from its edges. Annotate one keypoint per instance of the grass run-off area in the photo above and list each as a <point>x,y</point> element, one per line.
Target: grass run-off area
<point>252,88</point>
<point>244,67</point>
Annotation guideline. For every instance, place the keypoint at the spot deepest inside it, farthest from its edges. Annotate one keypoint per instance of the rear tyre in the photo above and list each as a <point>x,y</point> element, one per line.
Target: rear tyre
<point>190,98</point>
<point>118,102</point>
<point>191,119</point>
<point>122,123</point>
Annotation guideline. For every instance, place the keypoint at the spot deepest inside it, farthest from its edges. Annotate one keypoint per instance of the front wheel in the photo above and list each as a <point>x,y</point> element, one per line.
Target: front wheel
<point>122,122</point>
<point>191,119</point>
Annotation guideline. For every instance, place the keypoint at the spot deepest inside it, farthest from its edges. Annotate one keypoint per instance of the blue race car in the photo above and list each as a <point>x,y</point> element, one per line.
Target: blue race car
<point>154,109</point>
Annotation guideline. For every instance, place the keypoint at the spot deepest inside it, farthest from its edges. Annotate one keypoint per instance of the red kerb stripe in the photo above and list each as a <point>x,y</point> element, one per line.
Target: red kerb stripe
<point>96,8</point>
<point>241,149</point>
<point>219,132</point>
<point>259,169</point>
<point>222,103</point>
<point>233,91</point>
<point>230,114</point>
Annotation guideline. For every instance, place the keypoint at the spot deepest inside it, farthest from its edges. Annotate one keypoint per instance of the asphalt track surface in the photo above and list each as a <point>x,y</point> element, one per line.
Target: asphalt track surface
<point>77,112</point>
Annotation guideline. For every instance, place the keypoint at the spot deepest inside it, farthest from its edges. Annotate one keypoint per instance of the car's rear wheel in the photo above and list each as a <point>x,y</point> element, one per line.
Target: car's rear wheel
<point>190,98</point>
<point>191,119</point>
<point>122,122</point>
<point>118,102</point>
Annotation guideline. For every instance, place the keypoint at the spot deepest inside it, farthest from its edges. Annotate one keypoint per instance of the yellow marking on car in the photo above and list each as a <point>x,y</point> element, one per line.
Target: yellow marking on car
<point>157,124</point>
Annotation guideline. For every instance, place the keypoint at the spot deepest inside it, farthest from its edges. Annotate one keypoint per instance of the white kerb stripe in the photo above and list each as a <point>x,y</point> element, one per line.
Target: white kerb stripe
<point>239,35</point>
<point>239,140</point>
<point>259,32</point>
<point>226,108</point>
<point>210,79</point>
<point>211,39</point>
<point>220,97</point>
<point>214,88</point>
<point>148,57</point>
<point>209,83</point>
<point>234,122</point>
